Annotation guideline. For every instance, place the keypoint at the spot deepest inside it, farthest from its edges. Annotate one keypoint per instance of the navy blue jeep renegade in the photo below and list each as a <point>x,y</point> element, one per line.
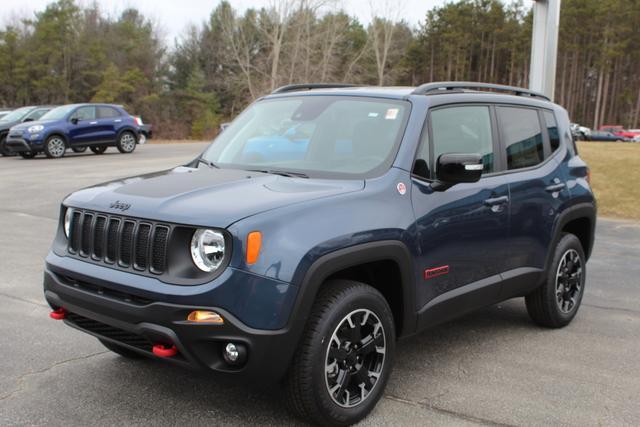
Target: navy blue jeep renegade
<point>323,224</point>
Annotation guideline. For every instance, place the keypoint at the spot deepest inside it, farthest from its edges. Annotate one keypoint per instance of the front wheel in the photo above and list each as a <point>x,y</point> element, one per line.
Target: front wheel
<point>126,143</point>
<point>27,154</point>
<point>55,147</point>
<point>3,147</point>
<point>556,302</point>
<point>98,149</point>
<point>344,359</point>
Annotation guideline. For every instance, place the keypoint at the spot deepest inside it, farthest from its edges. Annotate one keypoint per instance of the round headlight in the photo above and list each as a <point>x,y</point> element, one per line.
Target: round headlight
<point>207,249</point>
<point>36,128</point>
<point>67,222</point>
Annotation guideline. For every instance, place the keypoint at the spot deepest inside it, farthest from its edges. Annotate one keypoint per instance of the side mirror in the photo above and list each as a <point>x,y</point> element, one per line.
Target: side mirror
<point>28,119</point>
<point>223,126</point>
<point>454,168</point>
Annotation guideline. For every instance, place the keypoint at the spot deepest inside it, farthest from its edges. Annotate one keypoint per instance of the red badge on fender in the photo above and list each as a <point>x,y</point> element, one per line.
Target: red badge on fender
<point>402,188</point>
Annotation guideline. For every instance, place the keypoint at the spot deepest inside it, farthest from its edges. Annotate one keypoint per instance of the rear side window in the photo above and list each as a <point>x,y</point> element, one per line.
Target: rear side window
<point>522,136</point>
<point>465,130</point>
<point>552,130</point>
<point>107,113</point>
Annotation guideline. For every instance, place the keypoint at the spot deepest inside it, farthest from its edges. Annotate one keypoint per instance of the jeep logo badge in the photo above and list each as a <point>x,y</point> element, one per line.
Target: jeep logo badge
<point>120,205</point>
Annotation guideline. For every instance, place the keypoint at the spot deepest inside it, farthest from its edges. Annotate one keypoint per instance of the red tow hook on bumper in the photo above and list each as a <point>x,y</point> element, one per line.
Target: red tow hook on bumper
<point>58,314</point>
<point>162,350</point>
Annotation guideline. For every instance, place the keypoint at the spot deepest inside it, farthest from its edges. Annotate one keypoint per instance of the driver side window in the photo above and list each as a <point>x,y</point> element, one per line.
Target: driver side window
<point>84,113</point>
<point>465,130</point>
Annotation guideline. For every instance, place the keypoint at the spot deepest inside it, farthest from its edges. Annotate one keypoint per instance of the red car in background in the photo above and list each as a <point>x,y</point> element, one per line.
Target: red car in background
<point>620,131</point>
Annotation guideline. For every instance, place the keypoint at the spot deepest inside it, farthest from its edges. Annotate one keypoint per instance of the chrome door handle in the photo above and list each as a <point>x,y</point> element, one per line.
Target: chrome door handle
<point>497,201</point>
<point>553,188</point>
<point>93,123</point>
<point>117,120</point>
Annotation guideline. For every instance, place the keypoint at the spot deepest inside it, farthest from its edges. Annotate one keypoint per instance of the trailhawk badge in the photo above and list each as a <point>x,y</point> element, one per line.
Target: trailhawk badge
<point>120,205</point>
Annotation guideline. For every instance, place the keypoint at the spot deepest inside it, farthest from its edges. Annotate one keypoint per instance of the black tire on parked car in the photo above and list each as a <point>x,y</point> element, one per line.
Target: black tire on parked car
<point>27,154</point>
<point>98,149</point>
<point>126,142</point>
<point>122,351</point>
<point>345,356</point>
<point>55,147</point>
<point>79,149</point>
<point>3,147</point>
<point>556,302</point>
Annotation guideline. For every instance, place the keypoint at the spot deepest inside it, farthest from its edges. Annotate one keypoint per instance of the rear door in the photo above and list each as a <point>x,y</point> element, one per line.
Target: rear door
<point>109,120</point>
<point>461,231</point>
<point>537,188</point>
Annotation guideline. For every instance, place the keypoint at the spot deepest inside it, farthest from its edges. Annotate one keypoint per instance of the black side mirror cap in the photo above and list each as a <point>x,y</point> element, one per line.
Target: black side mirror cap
<point>456,168</point>
<point>28,119</point>
<point>75,120</point>
<point>223,126</point>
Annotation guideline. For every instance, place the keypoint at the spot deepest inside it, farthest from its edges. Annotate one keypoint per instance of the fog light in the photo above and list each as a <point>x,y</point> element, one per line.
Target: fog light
<point>234,354</point>
<point>202,316</point>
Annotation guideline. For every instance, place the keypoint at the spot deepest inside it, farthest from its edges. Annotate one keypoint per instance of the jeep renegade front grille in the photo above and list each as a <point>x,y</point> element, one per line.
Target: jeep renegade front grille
<point>124,242</point>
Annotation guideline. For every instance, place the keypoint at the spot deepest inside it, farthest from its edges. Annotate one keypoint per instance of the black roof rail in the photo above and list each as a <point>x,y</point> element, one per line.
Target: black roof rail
<point>439,87</point>
<point>310,86</point>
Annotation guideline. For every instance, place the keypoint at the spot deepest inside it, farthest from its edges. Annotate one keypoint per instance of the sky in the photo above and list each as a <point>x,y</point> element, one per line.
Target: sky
<point>174,16</point>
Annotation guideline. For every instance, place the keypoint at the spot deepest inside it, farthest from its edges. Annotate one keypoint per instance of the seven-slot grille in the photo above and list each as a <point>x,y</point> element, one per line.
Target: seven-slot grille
<point>125,242</point>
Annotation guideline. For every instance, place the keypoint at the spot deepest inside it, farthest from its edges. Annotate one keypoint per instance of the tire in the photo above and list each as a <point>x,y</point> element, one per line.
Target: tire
<point>325,355</point>
<point>79,149</point>
<point>27,154</point>
<point>55,147</point>
<point>556,302</point>
<point>98,149</point>
<point>3,147</point>
<point>126,143</point>
<point>122,351</point>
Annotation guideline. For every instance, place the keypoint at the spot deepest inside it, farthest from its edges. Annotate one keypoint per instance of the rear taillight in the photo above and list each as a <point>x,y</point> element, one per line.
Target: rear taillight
<point>138,120</point>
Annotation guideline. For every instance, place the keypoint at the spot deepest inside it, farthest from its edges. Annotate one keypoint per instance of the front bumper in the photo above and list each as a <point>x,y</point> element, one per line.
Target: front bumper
<point>138,323</point>
<point>20,144</point>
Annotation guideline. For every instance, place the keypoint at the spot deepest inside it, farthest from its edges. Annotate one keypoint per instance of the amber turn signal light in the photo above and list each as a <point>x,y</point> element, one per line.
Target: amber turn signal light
<point>254,241</point>
<point>203,316</point>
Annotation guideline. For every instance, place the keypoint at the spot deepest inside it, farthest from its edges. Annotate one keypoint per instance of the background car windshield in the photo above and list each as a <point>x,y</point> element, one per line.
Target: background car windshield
<point>16,114</point>
<point>318,135</point>
<point>58,113</point>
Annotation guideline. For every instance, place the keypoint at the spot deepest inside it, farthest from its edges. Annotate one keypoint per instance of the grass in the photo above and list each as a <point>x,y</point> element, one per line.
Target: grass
<point>615,177</point>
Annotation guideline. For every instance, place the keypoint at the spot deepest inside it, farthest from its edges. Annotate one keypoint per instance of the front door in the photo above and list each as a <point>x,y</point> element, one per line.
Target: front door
<point>84,126</point>
<point>461,231</point>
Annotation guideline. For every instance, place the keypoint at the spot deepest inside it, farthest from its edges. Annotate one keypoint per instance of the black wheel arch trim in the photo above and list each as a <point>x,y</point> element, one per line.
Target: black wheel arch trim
<point>578,211</point>
<point>134,131</point>
<point>333,262</point>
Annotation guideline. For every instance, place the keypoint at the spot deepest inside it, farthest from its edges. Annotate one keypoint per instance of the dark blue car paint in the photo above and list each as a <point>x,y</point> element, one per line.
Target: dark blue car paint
<point>492,252</point>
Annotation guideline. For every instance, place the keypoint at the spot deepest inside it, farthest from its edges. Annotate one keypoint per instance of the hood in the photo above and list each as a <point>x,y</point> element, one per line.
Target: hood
<point>26,125</point>
<point>204,196</point>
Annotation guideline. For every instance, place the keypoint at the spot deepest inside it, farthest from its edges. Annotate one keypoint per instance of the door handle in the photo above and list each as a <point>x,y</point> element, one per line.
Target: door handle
<point>117,120</point>
<point>497,201</point>
<point>93,123</point>
<point>553,188</point>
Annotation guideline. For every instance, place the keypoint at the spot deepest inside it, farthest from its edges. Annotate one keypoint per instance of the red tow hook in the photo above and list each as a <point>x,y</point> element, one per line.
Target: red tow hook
<point>164,351</point>
<point>58,314</point>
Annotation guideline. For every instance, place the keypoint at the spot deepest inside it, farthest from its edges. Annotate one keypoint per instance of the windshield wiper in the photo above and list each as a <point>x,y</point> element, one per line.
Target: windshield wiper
<point>281,173</point>
<point>208,163</point>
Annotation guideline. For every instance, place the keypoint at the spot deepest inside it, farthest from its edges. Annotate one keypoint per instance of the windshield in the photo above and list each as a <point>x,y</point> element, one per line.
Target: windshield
<point>16,115</point>
<point>58,112</point>
<point>321,136</point>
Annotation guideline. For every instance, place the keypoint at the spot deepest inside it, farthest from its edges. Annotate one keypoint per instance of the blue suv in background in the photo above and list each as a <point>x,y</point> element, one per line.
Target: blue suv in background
<point>76,126</point>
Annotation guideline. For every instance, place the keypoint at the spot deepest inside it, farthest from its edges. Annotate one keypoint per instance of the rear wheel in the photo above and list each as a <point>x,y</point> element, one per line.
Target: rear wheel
<point>79,149</point>
<point>345,357</point>
<point>122,351</point>
<point>55,147</point>
<point>557,301</point>
<point>126,142</point>
<point>99,149</point>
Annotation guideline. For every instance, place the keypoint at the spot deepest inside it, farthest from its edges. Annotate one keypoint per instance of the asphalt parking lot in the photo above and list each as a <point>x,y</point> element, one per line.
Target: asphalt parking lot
<point>491,367</point>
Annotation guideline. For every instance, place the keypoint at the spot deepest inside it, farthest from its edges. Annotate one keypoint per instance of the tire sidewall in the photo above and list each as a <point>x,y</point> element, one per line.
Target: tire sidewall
<point>567,242</point>
<point>363,297</point>
<point>121,148</point>
<point>49,153</point>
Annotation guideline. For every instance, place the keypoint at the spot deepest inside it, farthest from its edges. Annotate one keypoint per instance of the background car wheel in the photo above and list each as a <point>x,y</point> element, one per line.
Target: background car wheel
<point>122,351</point>
<point>79,149</point>
<point>127,143</point>
<point>3,147</point>
<point>557,301</point>
<point>55,147</point>
<point>99,149</point>
<point>345,356</point>
<point>27,155</point>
